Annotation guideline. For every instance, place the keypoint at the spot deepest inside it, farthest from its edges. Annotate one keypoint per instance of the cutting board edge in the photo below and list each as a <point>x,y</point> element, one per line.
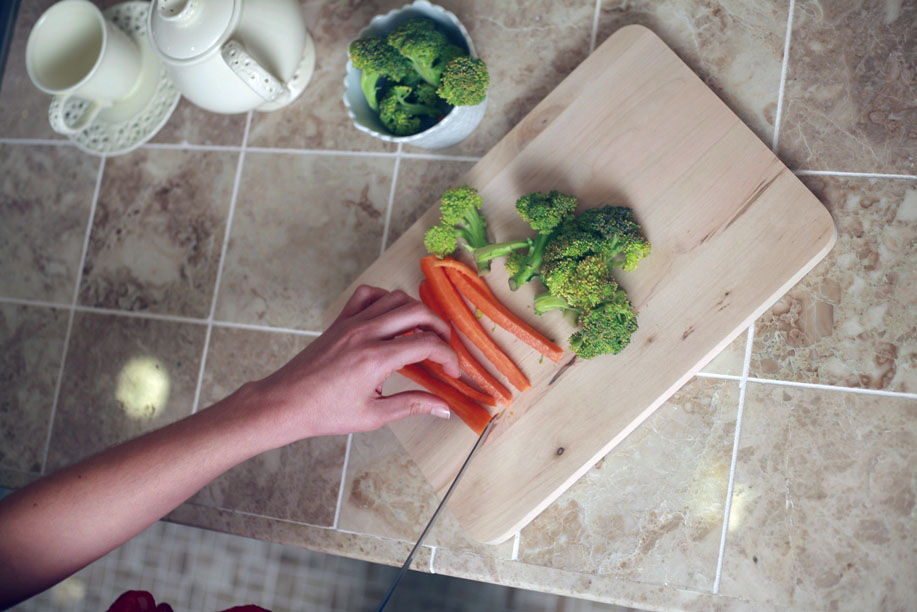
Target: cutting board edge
<point>510,531</point>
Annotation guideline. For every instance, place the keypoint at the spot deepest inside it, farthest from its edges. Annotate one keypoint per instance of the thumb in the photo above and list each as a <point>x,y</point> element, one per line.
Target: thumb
<point>407,403</point>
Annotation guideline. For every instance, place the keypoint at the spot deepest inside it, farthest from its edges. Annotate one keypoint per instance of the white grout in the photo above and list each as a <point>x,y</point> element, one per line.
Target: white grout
<point>134,314</point>
<point>223,249</point>
<point>266,328</point>
<point>187,146</point>
<point>823,387</point>
<point>76,292</point>
<point>391,201</point>
<point>783,70</point>
<point>38,142</point>
<point>516,539</point>
<point>334,152</point>
<point>432,557</point>
<point>743,383</point>
<point>442,157</point>
<point>855,174</point>
<point>25,302</point>
<point>340,500</point>
<point>595,26</point>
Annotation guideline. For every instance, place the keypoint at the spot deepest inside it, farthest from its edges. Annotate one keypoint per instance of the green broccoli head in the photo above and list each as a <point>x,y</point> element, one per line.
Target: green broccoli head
<point>611,231</point>
<point>515,262</point>
<point>376,60</point>
<point>464,81</point>
<point>605,329</point>
<point>440,240</point>
<point>582,283</point>
<point>545,211</point>
<point>423,45</point>
<point>401,115</point>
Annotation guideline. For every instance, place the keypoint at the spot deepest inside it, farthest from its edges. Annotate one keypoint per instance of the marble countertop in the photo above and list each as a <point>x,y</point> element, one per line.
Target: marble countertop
<point>205,259</point>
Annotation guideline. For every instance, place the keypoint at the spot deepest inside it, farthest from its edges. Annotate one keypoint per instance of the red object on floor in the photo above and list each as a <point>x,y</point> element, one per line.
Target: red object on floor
<point>142,601</point>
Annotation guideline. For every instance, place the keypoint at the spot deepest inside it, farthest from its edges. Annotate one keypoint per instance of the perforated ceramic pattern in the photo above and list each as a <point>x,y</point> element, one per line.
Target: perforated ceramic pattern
<point>113,138</point>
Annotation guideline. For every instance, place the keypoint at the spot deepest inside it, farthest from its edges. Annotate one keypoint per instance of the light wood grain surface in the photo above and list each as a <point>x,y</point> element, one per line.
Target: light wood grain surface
<point>732,230</point>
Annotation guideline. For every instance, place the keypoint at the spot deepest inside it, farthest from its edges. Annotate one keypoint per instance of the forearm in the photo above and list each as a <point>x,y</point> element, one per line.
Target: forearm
<point>59,524</point>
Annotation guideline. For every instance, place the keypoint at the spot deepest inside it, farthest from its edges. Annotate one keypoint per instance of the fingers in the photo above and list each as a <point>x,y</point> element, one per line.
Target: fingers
<point>400,351</point>
<point>405,318</point>
<point>363,296</point>
<point>400,405</point>
<point>384,304</point>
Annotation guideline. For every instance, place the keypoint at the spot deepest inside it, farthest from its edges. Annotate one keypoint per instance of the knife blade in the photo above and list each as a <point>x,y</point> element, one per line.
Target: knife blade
<point>423,534</point>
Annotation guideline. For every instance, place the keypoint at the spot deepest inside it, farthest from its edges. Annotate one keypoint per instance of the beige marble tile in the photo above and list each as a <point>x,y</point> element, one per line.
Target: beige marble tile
<point>304,227</point>
<point>158,232</point>
<point>736,47</point>
<point>318,118</point>
<point>652,509</point>
<point>299,482</point>
<point>852,321</point>
<point>45,200</point>
<point>31,343</point>
<point>421,182</point>
<point>193,125</point>
<point>386,495</point>
<point>123,376</point>
<point>25,107</point>
<point>356,546</point>
<point>529,49</point>
<point>731,359</point>
<point>823,504</point>
<point>850,89</point>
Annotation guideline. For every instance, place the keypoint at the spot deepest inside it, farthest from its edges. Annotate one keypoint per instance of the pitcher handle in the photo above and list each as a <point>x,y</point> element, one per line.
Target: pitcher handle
<point>251,72</point>
<point>57,116</point>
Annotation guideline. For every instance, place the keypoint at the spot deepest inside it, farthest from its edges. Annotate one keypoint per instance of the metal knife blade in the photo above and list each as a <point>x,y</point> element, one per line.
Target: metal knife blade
<point>423,534</point>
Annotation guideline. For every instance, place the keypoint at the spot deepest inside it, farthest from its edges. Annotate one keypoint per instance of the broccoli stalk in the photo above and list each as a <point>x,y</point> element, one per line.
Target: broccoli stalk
<point>401,116</point>
<point>461,220</point>
<point>427,49</point>
<point>376,60</point>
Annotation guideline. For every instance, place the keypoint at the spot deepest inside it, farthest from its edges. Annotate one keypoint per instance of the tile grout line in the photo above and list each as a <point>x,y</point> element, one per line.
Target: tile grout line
<point>432,557</point>
<point>391,201</point>
<point>595,26</point>
<point>223,249</point>
<point>783,70</point>
<point>855,174</point>
<point>266,328</point>
<point>824,387</point>
<point>72,312</point>
<point>743,385</point>
<point>340,499</point>
<point>516,540</point>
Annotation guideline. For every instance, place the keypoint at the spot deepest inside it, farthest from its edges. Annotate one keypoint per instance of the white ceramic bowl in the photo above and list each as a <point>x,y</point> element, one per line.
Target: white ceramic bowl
<point>454,127</point>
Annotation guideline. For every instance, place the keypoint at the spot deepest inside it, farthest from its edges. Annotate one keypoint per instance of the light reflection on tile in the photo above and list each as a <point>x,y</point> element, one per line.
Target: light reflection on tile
<point>158,232</point>
<point>304,227</point>
<point>651,511</point>
<point>298,482</point>
<point>824,497</point>
<point>45,200</point>
<point>31,343</point>
<point>114,375</point>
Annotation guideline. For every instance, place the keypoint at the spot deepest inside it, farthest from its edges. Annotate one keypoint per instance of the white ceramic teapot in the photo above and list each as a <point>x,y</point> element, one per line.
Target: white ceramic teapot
<point>231,56</point>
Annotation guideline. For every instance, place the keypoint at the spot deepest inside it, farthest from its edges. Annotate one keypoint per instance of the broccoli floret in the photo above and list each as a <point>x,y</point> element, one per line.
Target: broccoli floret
<point>544,212</point>
<point>605,329</point>
<point>401,116</point>
<point>426,48</point>
<point>609,231</point>
<point>376,60</point>
<point>572,283</point>
<point>460,210</point>
<point>464,81</point>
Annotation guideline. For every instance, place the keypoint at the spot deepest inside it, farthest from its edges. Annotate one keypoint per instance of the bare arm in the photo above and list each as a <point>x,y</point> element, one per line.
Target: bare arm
<point>63,522</point>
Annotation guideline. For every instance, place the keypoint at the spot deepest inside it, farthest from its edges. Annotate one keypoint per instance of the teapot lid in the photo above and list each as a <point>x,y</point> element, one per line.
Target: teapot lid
<point>183,29</point>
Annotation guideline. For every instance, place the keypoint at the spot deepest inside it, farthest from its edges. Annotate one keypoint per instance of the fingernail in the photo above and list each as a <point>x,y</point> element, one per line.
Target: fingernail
<point>439,411</point>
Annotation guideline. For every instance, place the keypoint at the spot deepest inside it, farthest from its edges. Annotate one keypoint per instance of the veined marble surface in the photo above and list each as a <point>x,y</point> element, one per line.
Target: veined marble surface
<point>801,434</point>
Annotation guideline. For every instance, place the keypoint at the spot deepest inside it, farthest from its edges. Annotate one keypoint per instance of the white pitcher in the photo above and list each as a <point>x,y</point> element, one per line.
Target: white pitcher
<point>231,56</point>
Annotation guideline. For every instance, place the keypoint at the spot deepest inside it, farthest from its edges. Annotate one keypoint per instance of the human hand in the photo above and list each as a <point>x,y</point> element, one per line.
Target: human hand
<point>334,386</point>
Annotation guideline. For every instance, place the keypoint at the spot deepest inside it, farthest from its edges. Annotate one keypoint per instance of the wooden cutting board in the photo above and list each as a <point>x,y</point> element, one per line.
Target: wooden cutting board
<point>732,230</point>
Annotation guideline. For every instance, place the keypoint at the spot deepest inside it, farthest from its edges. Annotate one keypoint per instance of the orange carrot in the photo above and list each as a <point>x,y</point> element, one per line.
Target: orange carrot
<point>466,323</point>
<point>458,384</point>
<point>477,372</point>
<point>501,315</point>
<point>454,264</point>
<point>473,415</point>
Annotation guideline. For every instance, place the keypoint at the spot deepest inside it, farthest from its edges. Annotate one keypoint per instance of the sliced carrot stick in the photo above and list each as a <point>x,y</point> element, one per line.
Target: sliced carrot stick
<point>503,316</point>
<point>454,264</point>
<point>477,372</point>
<point>466,323</point>
<point>458,384</point>
<point>474,416</point>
